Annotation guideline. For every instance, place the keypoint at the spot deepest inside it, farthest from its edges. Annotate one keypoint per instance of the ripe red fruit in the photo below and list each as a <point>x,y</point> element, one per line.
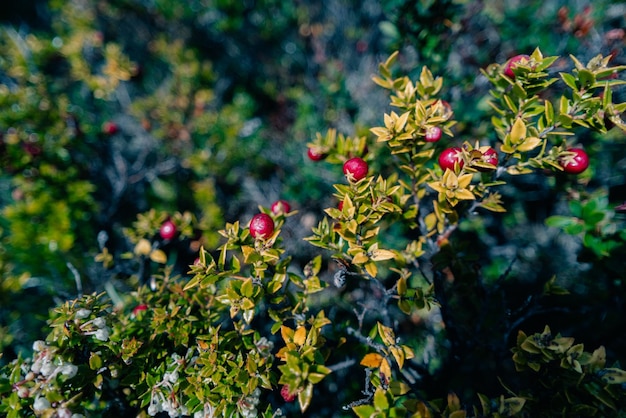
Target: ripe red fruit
<point>140,308</point>
<point>314,155</point>
<point>280,206</point>
<point>576,163</point>
<point>489,156</point>
<point>356,168</point>
<point>449,157</point>
<point>287,396</point>
<point>340,205</point>
<point>167,230</point>
<point>433,134</point>
<point>261,226</point>
<point>32,148</point>
<point>110,128</point>
<point>512,63</point>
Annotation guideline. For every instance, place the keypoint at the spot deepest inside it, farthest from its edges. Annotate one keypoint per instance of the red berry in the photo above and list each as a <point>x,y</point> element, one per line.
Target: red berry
<point>575,163</point>
<point>512,63</point>
<point>287,396</point>
<point>261,226</point>
<point>356,168</point>
<point>433,134</point>
<point>110,128</point>
<point>167,230</point>
<point>314,155</point>
<point>449,157</point>
<point>489,156</point>
<point>280,206</point>
<point>140,308</point>
<point>32,148</point>
<point>340,205</point>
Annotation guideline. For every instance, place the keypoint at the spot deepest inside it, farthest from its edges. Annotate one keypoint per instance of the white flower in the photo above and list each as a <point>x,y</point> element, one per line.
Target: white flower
<point>171,377</point>
<point>153,409</point>
<point>207,412</point>
<point>47,368</point>
<point>82,313</point>
<point>64,413</point>
<point>41,404</point>
<point>39,346</point>
<point>69,370</point>
<point>36,367</point>
<point>102,334</point>
<point>99,322</point>
<point>250,413</point>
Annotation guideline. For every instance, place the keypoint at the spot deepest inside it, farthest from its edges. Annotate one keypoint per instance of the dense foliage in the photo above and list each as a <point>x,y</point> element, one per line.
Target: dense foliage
<point>233,209</point>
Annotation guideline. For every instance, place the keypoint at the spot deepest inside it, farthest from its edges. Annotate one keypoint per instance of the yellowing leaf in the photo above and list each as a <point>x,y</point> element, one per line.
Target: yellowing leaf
<point>398,388</point>
<point>286,333</point>
<point>158,256</point>
<point>371,268</point>
<point>360,258</point>
<point>401,286</point>
<point>518,131</point>
<point>372,360</point>
<point>300,336</point>
<point>398,354</point>
<point>464,194</point>
<point>385,369</point>
<point>529,144</point>
<point>379,255</point>
<point>143,247</point>
<point>386,334</point>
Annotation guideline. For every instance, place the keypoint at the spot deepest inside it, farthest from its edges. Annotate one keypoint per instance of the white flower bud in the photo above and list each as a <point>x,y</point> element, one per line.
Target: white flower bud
<point>69,370</point>
<point>82,313</point>
<point>47,368</point>
<point>23,392</point>
<point>39,346</point>
<point>99,322</point>
<point>171,377</point>
<point>36,367</point>
<point>41,404</point>
<point>102,334</point>
<point>64,413</point>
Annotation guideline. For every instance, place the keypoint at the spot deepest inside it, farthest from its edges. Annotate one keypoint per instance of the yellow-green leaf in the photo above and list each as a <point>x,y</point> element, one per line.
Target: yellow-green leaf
<point>380,254</point>
<point>529,144</point>
<point>386,334</point>
<point>518,131</point>
<point>158,256</point>
<point>143,247</point>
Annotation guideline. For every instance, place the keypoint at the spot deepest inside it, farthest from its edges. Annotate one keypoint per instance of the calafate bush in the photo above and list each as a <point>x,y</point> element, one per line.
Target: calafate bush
<point>394,298</point>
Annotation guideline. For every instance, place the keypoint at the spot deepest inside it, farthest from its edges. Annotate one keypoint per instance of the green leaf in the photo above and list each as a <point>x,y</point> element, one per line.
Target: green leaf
<point>95,361</point>
<point>570,80</point>
<point>558,221</point>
